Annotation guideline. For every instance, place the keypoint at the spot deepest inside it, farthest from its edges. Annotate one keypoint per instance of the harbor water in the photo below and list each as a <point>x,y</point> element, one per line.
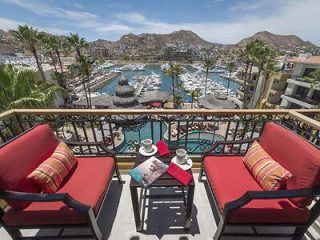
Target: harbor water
<point>166,81</point>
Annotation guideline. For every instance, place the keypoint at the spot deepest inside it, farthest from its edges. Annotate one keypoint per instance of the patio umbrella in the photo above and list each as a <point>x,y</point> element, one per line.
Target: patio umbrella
<point>168,105</point>
<point>156,104</point>
<point>216,102</point>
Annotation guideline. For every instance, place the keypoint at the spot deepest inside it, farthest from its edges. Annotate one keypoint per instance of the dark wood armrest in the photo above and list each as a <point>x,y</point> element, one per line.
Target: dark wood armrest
<point>39,197</point>
<point>101,144</point>
<point>251,195</point>
<point>219,143</point>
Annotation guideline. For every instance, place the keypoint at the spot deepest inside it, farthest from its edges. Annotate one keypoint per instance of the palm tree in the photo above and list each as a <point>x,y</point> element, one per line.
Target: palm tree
<point>77,43</point>
<point>49,50</point>
<point>83,68</point>
<point>31,38</point>
<point>177,100</point>
<point>269,69</point>
<point>20,89</point>
<point>230,67</point>
<point>249,56</point>
<point>194,96</point>
<point>56,44</point>
<point>314,78</point>
<point>171,72</point>
<point>177,73</point>
<point>208,64</point>
<point>53,46</point>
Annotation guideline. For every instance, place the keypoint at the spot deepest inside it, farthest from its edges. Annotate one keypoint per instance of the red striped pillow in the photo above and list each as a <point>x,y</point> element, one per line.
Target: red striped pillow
<point>50,174</point>
<point>268,173</point>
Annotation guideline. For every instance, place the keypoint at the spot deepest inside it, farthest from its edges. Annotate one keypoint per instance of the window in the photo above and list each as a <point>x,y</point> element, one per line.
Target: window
<point>301,92</point>
<point>316,96</point>
<point>307,71</point>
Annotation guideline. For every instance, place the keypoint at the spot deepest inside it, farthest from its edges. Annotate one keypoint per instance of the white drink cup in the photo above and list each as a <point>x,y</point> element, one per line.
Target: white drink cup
<point>147,145</point>
<point>182,156</point>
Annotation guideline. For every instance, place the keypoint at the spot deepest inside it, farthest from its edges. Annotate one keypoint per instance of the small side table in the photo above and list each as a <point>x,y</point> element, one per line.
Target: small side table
<point>165,181</point>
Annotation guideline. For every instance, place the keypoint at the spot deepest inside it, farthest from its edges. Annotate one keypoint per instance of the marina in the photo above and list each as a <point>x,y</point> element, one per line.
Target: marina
<point>154,78</point>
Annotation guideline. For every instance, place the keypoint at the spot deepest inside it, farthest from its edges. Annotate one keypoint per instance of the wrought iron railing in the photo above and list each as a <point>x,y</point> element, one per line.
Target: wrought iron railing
<point>194,130</point>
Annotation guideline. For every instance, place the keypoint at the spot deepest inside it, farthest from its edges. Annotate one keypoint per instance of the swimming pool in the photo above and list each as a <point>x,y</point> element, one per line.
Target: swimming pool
<point>196,142</point>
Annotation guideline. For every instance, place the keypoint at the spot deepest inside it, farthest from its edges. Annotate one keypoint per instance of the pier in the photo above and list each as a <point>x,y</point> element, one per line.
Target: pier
<point>142,85</point>
<point>103,82</point>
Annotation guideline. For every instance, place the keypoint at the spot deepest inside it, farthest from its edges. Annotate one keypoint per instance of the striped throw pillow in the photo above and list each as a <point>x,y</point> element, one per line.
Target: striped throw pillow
<point>268,173</point>
<point>50,174</point>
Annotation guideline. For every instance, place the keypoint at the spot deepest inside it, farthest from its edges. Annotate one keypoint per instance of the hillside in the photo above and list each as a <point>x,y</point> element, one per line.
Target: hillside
<point>8,44</point>
<point>153,43</point>
<point>278,41</point>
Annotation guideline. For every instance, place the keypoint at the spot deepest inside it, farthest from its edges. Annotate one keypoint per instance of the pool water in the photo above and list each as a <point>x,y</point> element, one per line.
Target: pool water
<point>195,143</point>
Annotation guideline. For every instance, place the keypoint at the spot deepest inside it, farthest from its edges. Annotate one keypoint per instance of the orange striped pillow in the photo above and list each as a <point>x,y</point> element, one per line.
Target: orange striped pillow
<point>268,173</point>
<point>50,174</point>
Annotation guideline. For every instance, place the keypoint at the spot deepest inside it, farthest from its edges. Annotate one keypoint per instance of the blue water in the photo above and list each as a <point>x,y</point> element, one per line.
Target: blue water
<point>196,142</point>
<point>166,81</point>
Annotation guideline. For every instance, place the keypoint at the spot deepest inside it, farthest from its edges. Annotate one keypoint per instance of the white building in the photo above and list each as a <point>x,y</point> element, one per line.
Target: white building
<point>299,93</point>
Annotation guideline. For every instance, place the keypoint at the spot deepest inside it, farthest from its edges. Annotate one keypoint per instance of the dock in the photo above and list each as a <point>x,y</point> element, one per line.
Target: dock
<point>102,82</point>
<point>106,79</point>
<point>142,85</point>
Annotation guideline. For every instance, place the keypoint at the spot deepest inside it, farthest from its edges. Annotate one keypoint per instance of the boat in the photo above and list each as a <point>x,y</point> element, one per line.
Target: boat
<point>215,70</point>
<point>164,67</point>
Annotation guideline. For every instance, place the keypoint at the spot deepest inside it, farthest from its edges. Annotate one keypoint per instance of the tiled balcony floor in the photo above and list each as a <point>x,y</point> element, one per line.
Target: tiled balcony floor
<point>163,221</point>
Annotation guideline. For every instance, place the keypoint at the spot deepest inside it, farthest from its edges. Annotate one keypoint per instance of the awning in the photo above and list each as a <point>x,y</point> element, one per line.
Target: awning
<point>156,104</point>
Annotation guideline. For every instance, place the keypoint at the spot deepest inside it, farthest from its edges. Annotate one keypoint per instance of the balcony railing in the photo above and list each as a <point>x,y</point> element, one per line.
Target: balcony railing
<point>194,130</point>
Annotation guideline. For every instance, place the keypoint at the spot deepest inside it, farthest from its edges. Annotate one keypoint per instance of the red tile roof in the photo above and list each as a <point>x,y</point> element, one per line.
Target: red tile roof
<point>306,60</point>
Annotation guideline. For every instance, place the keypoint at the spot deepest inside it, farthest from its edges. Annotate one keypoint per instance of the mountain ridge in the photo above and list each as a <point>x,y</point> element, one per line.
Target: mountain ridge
<point>277,41</point>
<point>155,42</point>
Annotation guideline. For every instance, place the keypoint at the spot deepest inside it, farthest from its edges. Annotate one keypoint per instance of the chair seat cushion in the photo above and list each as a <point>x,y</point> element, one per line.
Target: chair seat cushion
<point>229,180</point>
<point>87,184</point>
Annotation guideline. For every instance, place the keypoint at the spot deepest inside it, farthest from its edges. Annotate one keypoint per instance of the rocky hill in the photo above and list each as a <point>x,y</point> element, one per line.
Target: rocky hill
<point>181,37</point>
<point>8,44</point>
<point>155,42</point>
<point>278,41</point>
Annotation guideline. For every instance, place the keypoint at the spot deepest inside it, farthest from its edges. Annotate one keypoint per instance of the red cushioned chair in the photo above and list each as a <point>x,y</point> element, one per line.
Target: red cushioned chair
<point>239,199</point>
<point>77,202</point>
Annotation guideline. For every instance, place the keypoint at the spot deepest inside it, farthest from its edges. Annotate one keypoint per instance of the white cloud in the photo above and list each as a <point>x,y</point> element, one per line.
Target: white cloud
<point>114,27</point>
<point>46,10</point>
<point>8,24</point>
<point>78,5</point>
<point>253,5</point>
<point>132,17</point>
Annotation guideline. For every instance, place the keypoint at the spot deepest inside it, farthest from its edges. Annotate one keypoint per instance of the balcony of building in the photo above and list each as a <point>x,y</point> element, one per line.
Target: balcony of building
<point>123,130</point>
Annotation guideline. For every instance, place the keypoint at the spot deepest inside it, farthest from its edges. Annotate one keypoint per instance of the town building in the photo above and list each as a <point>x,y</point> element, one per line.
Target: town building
<point>299,93</point>
<point>273,90</point>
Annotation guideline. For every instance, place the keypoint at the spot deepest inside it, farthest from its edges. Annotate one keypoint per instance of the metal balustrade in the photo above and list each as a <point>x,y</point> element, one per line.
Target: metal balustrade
<point>194,130</point>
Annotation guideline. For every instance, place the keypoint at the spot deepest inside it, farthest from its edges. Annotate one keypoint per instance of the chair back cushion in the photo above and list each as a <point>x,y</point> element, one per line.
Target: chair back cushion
<point>21,156</point>
<point>295,154</point>
<point>50,174</point>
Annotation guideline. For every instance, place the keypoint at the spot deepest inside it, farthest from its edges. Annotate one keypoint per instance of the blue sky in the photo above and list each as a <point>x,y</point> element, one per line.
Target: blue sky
<point>222,21</point>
